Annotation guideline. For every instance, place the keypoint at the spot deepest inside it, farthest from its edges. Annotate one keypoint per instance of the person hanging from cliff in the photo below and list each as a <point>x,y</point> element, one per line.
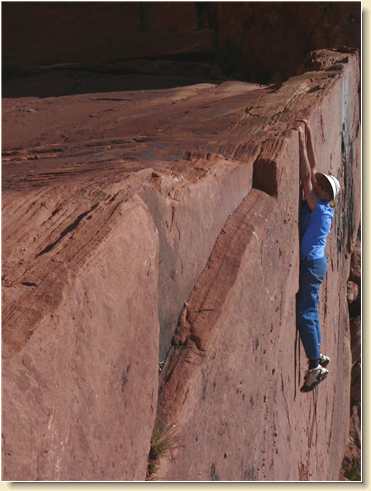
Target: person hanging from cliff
<point>317,210</point>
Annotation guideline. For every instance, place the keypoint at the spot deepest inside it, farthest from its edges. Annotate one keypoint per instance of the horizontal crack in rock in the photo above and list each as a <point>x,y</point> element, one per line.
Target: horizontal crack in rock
<point>70,228</point>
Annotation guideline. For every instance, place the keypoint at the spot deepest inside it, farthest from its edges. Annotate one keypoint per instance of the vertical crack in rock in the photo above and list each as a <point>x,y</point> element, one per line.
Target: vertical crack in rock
<point>211,290</point>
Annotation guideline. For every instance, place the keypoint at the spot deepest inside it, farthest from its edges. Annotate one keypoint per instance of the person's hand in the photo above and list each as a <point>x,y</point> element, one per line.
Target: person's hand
<point>306,127</point>
<point>301,136</point>
<point>305,121</point>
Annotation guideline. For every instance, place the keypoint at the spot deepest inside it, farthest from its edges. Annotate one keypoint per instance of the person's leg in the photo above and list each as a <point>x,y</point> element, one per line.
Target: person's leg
<point>307,315</point>
<point>311,277</point>
<point>318,273</point>
<point>317,320</point>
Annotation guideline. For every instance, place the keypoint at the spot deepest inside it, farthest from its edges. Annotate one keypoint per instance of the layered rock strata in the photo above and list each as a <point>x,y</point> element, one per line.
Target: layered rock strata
<point>120,208</point>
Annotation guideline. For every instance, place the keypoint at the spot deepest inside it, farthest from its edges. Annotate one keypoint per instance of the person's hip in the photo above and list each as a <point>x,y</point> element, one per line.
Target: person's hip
<point>313,269</point>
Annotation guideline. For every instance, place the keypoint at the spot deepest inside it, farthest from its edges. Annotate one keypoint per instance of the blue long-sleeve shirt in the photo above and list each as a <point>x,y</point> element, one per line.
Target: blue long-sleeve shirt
<point>315,226</point>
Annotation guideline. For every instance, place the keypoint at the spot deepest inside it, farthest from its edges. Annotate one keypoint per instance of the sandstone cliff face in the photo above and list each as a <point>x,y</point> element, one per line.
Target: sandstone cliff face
<point>230,387</point>
<point>117,210</point>
<point>351,468</point>
<point>70,322</point>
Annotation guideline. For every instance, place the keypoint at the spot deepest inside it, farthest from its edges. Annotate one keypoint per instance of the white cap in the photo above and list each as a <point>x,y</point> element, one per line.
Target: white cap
<point>335,184</point>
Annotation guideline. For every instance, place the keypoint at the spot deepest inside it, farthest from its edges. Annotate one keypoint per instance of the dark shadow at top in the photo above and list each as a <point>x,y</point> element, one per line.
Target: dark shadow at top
<point>64,82</point>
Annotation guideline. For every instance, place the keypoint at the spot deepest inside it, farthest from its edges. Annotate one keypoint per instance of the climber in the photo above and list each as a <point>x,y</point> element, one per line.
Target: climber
<point>317,209</point>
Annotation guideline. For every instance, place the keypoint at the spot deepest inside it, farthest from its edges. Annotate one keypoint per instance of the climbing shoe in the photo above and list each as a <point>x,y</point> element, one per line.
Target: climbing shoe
<point>313,377</point>
<point>324,360</point>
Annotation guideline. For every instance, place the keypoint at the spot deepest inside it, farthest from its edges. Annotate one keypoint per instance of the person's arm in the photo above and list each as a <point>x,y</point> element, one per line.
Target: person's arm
<point>306,172</point>
<point>310,150</point>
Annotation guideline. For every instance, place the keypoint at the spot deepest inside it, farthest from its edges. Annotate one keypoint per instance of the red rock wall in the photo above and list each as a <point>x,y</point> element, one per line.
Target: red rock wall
<point>69,379</point>
<point>352,463</point>
<point>121,207</point>
<point>230,390</point>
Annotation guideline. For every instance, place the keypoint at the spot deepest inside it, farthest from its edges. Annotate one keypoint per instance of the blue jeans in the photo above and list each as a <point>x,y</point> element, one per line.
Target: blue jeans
<point>312,273</point>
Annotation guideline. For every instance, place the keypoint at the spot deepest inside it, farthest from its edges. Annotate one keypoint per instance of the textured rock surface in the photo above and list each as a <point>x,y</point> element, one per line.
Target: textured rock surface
<point>75,343</point>
<point>74,194</point>
<point>117,209</point>
<point>351,468</point>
